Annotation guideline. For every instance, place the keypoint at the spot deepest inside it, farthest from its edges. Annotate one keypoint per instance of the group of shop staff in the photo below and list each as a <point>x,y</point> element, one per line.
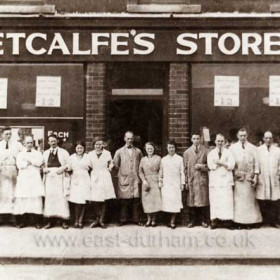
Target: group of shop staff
<point>241,184</point>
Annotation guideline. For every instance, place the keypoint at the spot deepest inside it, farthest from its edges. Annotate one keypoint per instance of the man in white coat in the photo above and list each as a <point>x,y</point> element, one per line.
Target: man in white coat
<point>57,184</point>
<point>221,163</point>
<point>268,188</point>
<point>246,208</point>
<point>29,189</point>
<point>8,172</point>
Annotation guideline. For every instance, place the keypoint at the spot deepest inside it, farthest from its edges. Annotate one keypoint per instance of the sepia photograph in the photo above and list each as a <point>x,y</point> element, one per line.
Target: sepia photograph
<point>139,139</point>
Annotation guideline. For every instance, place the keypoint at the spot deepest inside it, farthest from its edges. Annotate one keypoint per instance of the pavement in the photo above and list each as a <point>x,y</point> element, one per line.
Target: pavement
<point>133,243</point>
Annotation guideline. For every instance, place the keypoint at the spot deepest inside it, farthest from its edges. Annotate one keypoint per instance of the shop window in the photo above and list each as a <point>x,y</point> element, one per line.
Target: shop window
<point>43,97</point>
<point>25,7</point>
<point>162,6</point>
<point>254,111</point>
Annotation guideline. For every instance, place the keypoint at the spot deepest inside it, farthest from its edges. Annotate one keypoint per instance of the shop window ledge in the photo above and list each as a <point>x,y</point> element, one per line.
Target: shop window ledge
<point>275,8</point>
<point>27,9</point>
<point>167,8</point>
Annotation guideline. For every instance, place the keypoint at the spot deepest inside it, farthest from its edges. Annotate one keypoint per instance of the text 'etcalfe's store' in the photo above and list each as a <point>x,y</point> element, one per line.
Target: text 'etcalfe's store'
<point>162,77</point>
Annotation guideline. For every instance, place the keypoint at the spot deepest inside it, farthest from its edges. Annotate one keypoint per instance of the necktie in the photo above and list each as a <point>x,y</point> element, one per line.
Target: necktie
<point>268,147</point>
<point>129,147</point>
<point>196,149</point>
<point>243,146</point>
<point>220,153</point>
<point>7,145</point>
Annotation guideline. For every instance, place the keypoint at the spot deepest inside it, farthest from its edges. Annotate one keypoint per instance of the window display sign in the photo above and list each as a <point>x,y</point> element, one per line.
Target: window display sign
<point>274,90</point>
<point>48,91</point>
<point>226,92</point>
<point>3,93</point>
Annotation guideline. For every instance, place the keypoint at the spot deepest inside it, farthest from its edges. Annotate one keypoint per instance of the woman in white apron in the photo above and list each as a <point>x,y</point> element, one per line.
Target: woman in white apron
<point>172,182</point>
<point>102,188</point>
<point>80,182</point>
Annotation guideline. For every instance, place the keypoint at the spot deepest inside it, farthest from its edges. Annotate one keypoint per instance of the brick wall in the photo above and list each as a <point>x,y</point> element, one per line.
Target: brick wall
<point>178,117</point>
<point>95,102</point>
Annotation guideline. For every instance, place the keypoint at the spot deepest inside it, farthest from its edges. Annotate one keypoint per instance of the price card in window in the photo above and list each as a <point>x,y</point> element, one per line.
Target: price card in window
<point>3,93</point>
<point>226,91</point>
<point>274,90</point>
<point>48,91</point>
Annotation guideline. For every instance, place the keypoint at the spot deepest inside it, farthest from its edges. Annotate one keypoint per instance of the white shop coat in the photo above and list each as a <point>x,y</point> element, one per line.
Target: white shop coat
<point>268,187</point>
<point>29,181</point>
<point>172,176</point>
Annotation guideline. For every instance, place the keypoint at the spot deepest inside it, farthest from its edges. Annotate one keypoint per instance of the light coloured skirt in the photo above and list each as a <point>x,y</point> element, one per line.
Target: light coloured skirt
<point>80,187</point>
<point>30,205</point>
<point>151,199</point>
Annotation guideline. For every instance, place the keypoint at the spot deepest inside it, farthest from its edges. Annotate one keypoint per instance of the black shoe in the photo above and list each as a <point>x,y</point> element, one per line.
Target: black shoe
<point>76,225</point>
<point>20,225</point>
<point>102,225</point>
<point>213,225</point>
<point>148,224</point>
<point>173,226</point>
<point>190,225</point>
<point>64,226</point>
<point>276,225</point>
<point>80,226</point>
<point>153,224</point>
<point>94,224</point>
<point>204,225</point>
<point>48,225</point>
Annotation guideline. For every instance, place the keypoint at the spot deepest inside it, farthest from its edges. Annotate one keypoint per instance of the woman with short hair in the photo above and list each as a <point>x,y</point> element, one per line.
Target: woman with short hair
<point>102,188</point>
<point>172,182</point>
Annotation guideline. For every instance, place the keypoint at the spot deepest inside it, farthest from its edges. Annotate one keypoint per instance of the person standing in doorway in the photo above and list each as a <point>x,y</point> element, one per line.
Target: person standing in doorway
<point>8,173</point>
<point>172,182</point>
<point>221,164</point>
<point>268,187</point>
<point>57,184</point>
<point>196,169</point>
<point>246,208</point>
<point>149,172</point>
<point>127,160</point>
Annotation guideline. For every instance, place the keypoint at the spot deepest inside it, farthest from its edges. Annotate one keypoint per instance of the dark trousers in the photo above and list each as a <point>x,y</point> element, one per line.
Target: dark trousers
<point>199,214</point>
<point>125,204</point>
<point>100,211</point>
<point>270,211</point>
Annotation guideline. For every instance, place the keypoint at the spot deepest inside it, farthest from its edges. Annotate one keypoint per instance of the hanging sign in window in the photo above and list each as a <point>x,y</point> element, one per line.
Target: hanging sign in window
<point>226,91</point>
<point>3,93</point>
<point>274,90</point>
<point>48,91</point>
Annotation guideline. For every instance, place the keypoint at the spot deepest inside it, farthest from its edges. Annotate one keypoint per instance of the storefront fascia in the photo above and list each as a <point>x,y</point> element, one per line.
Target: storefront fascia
<point>179,44</point>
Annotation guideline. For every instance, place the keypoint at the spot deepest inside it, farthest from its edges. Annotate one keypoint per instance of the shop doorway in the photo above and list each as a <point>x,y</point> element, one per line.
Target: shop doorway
<point>143,117</point>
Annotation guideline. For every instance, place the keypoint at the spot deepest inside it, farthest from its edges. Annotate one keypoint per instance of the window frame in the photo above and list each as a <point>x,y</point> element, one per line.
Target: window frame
<point>133,6</point>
